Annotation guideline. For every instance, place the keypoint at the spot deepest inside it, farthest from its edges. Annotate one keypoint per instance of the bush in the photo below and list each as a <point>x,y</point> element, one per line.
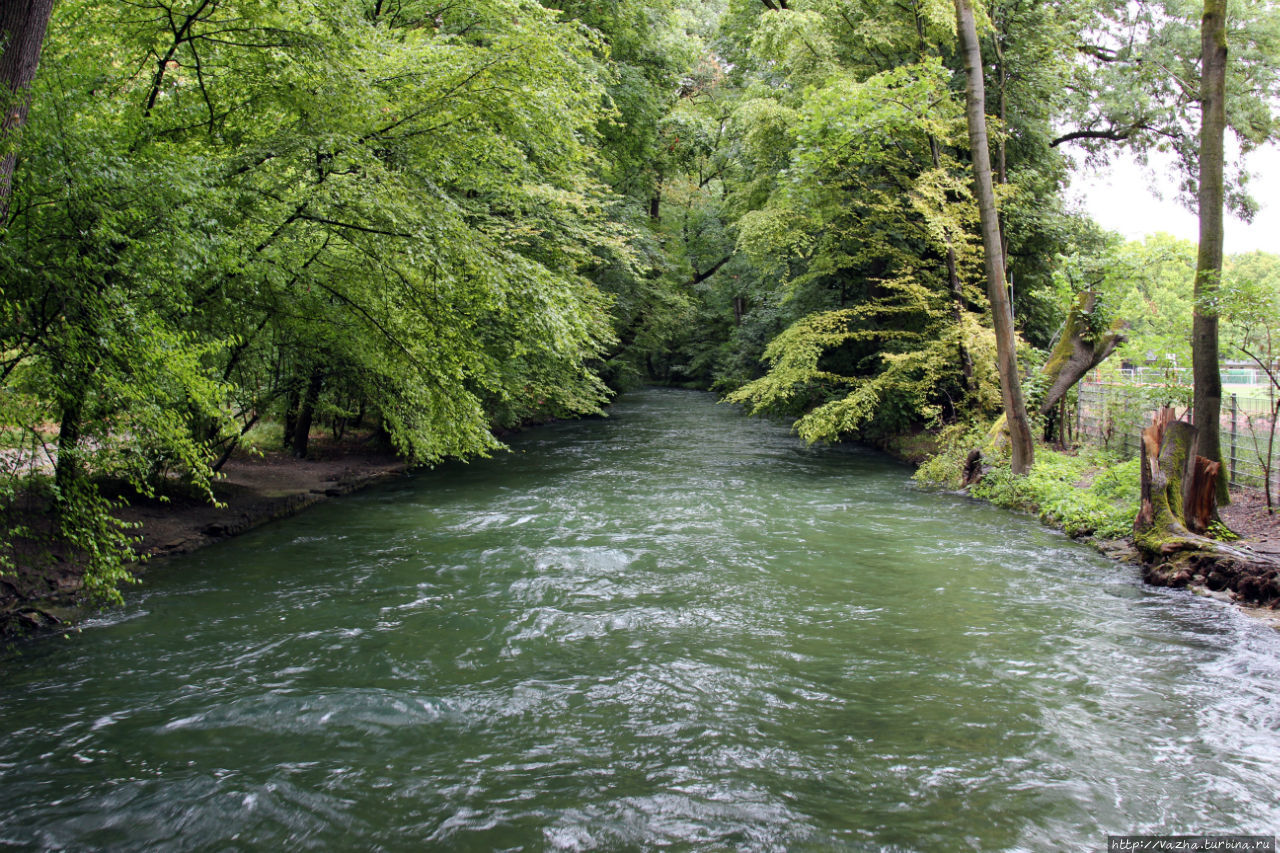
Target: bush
<point>1091,494</point>
<point>944,469</point>
<point>1086,495</point>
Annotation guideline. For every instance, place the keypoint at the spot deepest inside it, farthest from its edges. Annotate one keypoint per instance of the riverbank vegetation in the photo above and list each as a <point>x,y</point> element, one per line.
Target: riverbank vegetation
<point>1092,493</point>
<point>449,219</point>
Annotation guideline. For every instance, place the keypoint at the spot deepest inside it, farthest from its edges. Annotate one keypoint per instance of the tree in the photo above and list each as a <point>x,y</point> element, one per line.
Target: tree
<point>234,210</point>
<point>1134,86</point>
<point>22,29</point>
<point>1015,409</point>
<point>1205,363</point>
<point>1250,298</point>
<point>1087,338</point>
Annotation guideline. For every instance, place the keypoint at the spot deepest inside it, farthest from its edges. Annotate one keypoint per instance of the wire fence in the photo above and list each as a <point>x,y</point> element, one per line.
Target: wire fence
<point>1113,415</point>
<point>1236,373</point>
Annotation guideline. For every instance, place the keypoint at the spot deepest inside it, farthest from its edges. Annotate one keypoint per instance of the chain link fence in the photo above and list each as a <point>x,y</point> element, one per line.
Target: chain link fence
<point>1113,415</point>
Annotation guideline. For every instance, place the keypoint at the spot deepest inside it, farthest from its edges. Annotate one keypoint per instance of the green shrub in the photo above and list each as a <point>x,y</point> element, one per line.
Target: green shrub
<point>1086,495</point>
<point>944,469</point>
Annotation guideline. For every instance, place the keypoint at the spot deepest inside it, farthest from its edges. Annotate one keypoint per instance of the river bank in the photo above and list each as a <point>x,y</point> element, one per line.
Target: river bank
<point>1094,499</point>
<point>261,487</point>
<point>254,489</point>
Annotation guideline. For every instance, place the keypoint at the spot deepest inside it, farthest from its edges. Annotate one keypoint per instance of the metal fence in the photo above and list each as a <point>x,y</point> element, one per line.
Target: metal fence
<point>1113,415</point>
<point>1233,374</point>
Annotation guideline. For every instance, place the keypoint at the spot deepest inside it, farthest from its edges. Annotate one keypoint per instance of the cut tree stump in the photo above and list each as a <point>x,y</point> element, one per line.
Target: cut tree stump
<point>1200,497</point>
<point>1178,505</point>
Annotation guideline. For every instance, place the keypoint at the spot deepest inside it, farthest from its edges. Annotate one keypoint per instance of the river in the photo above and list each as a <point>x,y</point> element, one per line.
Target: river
<point>672,627</point>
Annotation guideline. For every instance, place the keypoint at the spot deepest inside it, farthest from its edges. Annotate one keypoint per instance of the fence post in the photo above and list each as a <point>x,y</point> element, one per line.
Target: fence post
<point>1079,410</point>
<point>1231,468</point>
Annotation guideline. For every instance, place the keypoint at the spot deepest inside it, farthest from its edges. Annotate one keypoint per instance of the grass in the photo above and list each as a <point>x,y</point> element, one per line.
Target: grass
<point>1252,393</point>
<point>263,437</point>
<point>1086,495</point>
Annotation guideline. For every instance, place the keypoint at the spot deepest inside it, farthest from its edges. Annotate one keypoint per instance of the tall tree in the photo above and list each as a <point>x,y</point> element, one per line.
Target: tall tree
<point>234,210</point>
<point>1015,408</point>
<point>1206,381</point>
<point>22,27</point>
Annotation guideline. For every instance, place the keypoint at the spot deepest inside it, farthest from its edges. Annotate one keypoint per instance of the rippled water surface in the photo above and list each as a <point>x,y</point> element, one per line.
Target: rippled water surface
<point>675,627</point>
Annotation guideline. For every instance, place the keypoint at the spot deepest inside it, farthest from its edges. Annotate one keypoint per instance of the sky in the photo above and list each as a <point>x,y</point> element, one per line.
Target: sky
<point>1125,198</point>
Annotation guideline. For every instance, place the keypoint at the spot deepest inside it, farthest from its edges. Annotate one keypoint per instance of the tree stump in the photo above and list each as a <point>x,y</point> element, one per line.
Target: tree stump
<point>1178,503</point>
<point>1200,498</point>
<point>1178,488</point>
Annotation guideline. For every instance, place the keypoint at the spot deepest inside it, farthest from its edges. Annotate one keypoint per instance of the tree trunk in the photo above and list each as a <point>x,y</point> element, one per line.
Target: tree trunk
<point>22,28</point>
<point>1177,496</point>
<point>1073,356</point>
<point>655,201</point>
<point>293,401</point>
<point>67,468</point>
<point>1015,408</point>
<point>1002,149</point>
<point>306,413</point>
<point>1064,431</point>
<point>1206,381</point>
<point>1177,488</point>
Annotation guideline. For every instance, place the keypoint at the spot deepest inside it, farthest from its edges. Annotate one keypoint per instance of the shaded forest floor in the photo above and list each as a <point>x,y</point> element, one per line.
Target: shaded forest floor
<point>1247,515</point>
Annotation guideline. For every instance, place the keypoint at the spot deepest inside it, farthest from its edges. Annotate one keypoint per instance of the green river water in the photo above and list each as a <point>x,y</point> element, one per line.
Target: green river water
<point>676,627</point>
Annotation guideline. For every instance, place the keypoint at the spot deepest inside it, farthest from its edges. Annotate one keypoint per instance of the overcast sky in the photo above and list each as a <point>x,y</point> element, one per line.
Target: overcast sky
<point>1123,199</point>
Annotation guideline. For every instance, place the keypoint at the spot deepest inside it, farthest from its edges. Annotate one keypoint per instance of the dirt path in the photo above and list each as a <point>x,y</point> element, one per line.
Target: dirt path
<point>1247,515</point>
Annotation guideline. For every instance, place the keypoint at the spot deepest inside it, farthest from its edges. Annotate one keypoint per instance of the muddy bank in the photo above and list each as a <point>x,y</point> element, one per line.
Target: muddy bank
<point>253,491</point>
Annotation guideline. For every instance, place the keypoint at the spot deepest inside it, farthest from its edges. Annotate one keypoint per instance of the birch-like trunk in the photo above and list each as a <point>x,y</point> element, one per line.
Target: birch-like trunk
<point>1015,408</point>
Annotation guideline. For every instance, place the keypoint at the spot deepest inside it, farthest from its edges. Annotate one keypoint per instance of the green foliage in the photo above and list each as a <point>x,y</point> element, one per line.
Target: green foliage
<point>1089,494</point>
<point>944,469</point>
<point>450,218</point>
<point>1249,300</point>
<point>1086,495</point>
<point>1129,84</point>
<point>1248,303</point>
<point>852,202</point>
<point>96,537</point>
<point>393,210</point>
<point>917,369</point>
<point>1146,285</point>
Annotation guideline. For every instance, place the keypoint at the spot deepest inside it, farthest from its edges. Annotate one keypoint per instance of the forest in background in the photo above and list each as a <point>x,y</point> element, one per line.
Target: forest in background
<point>446,218</point>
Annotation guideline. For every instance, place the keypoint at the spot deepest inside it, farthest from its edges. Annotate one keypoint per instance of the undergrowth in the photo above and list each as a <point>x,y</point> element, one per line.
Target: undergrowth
<point>1085,495</point>
<point>1089,494</point>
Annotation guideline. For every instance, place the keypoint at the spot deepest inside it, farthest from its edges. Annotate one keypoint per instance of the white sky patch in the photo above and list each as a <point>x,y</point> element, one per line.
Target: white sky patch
<point>1138,201</point>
